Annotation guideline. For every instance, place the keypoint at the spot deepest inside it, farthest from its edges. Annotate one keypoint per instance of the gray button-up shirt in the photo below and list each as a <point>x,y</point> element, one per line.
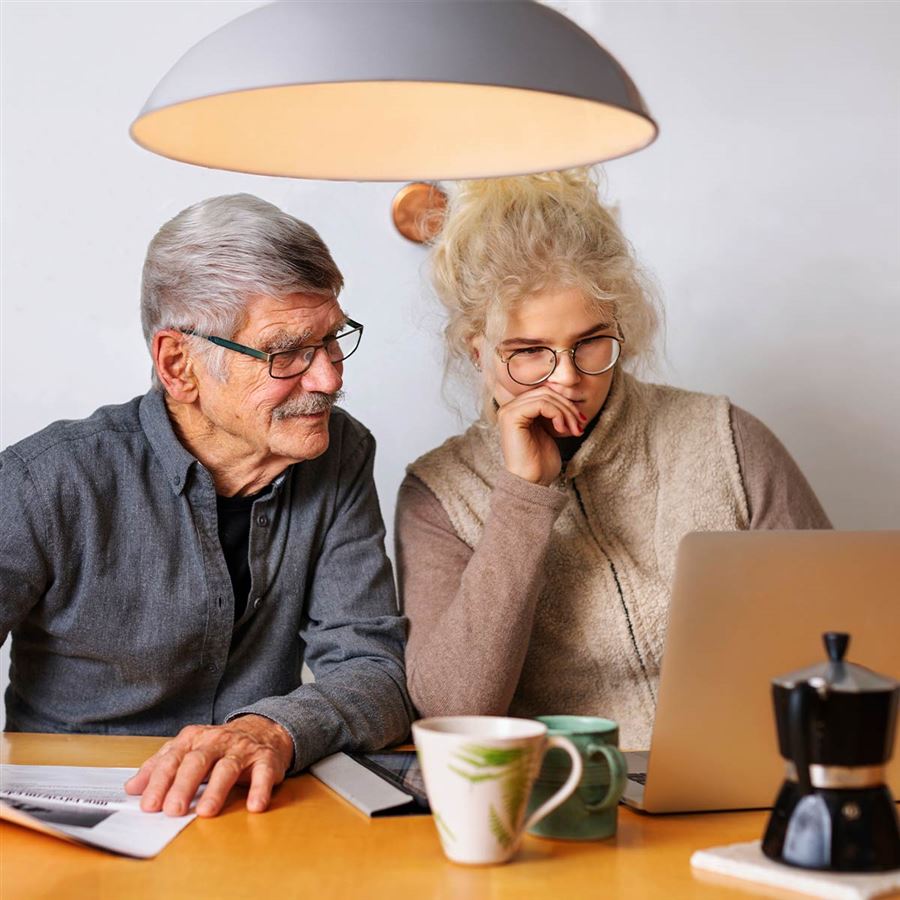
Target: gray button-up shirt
<point>115,588</point>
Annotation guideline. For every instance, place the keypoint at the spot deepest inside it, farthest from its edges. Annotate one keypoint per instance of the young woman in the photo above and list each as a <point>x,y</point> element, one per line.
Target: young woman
<point>536,550</point>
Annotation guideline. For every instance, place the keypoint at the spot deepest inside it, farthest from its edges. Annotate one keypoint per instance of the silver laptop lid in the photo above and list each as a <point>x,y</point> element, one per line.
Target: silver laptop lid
<point>747,606</point>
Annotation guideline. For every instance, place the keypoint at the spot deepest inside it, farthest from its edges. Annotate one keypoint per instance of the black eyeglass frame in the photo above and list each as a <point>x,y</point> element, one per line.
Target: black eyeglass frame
<point>570,350</point>
<point>271,357</point>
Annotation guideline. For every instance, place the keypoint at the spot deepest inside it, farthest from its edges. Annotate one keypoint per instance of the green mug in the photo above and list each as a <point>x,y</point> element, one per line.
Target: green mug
<point>591,812</point>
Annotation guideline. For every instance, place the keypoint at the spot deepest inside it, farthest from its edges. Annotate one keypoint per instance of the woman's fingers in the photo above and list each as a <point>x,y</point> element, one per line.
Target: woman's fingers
<point>544,403</point>
<point>529,424</point>
<point>548,395</point>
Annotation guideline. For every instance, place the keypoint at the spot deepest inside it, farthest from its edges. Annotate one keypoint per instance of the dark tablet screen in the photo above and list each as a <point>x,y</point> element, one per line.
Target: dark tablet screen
<point>401,769</point>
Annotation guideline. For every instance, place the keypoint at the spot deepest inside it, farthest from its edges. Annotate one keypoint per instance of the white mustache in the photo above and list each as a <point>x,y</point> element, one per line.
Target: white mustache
<point>307,405</point>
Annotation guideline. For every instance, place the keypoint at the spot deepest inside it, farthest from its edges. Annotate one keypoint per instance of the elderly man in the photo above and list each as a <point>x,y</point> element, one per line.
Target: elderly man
<point>169,563</point>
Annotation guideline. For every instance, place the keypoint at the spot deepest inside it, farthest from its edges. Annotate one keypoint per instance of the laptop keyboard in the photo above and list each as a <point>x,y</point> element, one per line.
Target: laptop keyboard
<point>639,777</point>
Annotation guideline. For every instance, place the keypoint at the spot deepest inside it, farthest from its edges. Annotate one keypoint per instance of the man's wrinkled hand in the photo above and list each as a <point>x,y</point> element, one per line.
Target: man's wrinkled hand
<point>250,749</point>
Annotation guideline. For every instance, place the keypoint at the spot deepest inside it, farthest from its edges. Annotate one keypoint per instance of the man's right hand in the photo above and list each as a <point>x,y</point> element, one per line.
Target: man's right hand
<point>250,749</point>
<point>529,425</point>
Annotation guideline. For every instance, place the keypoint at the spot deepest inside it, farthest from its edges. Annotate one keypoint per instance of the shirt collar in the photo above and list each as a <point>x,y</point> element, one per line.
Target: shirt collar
<point>174,458</point>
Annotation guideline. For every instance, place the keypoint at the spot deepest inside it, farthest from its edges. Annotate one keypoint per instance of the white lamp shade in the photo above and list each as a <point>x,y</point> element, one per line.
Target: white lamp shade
<point>396,91</point>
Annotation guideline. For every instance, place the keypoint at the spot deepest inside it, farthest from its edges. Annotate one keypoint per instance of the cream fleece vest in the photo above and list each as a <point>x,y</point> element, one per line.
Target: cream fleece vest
<point>659,463</point>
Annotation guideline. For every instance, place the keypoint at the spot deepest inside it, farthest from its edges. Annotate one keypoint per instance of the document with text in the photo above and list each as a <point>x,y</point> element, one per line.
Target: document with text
<point>86,805</point>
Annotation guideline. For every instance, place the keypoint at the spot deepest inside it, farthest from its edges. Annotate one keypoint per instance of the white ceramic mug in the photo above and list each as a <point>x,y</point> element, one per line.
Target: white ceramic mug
<point>478,772</point>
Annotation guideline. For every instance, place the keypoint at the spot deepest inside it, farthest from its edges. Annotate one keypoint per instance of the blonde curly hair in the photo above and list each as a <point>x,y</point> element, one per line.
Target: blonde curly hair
<point>505,239</point>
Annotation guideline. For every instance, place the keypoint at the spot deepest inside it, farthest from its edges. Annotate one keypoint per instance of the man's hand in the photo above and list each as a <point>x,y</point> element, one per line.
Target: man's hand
<point>249,749</point>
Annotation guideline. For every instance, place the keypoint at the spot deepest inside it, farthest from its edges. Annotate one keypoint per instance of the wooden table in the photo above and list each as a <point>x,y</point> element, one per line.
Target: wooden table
<point>312,844</point>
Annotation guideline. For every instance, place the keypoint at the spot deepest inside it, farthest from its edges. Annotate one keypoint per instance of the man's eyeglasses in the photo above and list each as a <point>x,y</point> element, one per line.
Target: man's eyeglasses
<point>534,365</point>
<point>292,363</point>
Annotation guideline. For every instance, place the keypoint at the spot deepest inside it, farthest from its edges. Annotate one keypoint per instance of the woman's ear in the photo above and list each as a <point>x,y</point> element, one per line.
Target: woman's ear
<point>476,344</point>
<point>174,366</point>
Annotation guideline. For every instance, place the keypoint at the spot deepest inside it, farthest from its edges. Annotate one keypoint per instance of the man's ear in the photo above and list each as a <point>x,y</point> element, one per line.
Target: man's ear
<point>174,366</point>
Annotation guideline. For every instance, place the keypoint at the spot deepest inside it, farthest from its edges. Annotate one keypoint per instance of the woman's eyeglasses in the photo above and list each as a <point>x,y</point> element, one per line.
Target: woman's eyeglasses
<point>592,356</point>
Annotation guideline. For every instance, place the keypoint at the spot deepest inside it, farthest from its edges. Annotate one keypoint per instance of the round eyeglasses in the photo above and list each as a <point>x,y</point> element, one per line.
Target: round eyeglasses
<point>293,363</point>
<point>591,356</point>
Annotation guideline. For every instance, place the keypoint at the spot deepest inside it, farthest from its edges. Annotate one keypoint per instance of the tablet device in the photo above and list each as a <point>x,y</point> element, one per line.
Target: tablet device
<point>399,768</point>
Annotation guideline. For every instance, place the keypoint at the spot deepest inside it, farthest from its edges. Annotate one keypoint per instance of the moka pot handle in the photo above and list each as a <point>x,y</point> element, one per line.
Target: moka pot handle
<point>800,733</point>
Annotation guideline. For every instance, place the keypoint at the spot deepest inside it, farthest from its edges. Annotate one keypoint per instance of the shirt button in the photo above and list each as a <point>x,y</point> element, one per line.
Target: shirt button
<point>262,520</point>
<point>257,603</point>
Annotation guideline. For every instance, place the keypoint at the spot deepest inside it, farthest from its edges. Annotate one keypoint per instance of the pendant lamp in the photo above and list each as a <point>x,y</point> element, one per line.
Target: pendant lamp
<point>381,90</point>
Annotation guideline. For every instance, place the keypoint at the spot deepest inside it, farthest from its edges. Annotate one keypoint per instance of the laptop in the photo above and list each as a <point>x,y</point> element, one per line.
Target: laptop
<point>748,606</point>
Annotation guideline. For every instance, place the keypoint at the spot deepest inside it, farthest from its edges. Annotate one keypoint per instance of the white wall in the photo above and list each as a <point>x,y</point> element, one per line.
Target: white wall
<point>769,209</point>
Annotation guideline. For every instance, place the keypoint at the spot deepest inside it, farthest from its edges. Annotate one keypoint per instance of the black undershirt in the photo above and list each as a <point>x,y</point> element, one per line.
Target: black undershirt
<point>234,515</point>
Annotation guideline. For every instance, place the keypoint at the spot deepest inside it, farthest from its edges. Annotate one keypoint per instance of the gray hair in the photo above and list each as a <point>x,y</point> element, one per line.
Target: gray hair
<point>204,265</point>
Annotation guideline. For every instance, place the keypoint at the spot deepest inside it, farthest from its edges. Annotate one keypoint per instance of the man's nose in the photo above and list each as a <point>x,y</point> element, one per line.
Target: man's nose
<point>323,375</point>
<point>565,372</point>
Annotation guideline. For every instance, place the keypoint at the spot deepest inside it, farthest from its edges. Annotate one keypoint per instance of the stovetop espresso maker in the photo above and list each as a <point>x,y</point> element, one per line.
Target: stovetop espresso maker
<point>836,723</point>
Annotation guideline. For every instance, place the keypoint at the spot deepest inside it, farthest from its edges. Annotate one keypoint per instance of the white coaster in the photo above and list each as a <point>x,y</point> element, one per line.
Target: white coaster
<point>747,861</point>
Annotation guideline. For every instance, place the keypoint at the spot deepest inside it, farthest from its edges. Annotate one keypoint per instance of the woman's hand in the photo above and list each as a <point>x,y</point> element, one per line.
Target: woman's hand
<point>529,424</point>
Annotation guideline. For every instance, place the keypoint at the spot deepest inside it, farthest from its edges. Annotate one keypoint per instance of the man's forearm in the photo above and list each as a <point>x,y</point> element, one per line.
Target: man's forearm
<point>361,705</point>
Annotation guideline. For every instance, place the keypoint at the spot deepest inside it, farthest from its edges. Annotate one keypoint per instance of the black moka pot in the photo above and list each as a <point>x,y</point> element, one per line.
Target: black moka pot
<point>836,724</point>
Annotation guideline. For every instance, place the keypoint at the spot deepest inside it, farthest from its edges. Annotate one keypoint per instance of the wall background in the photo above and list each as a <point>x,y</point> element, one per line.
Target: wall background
<point>768,209</point>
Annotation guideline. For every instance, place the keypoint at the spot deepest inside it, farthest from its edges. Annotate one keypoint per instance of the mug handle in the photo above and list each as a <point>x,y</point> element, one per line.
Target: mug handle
<point>571,783</point>
<point>618,773</point>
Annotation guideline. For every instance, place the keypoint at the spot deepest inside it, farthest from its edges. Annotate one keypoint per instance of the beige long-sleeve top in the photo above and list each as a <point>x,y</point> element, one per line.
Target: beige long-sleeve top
<point>471,610</point>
